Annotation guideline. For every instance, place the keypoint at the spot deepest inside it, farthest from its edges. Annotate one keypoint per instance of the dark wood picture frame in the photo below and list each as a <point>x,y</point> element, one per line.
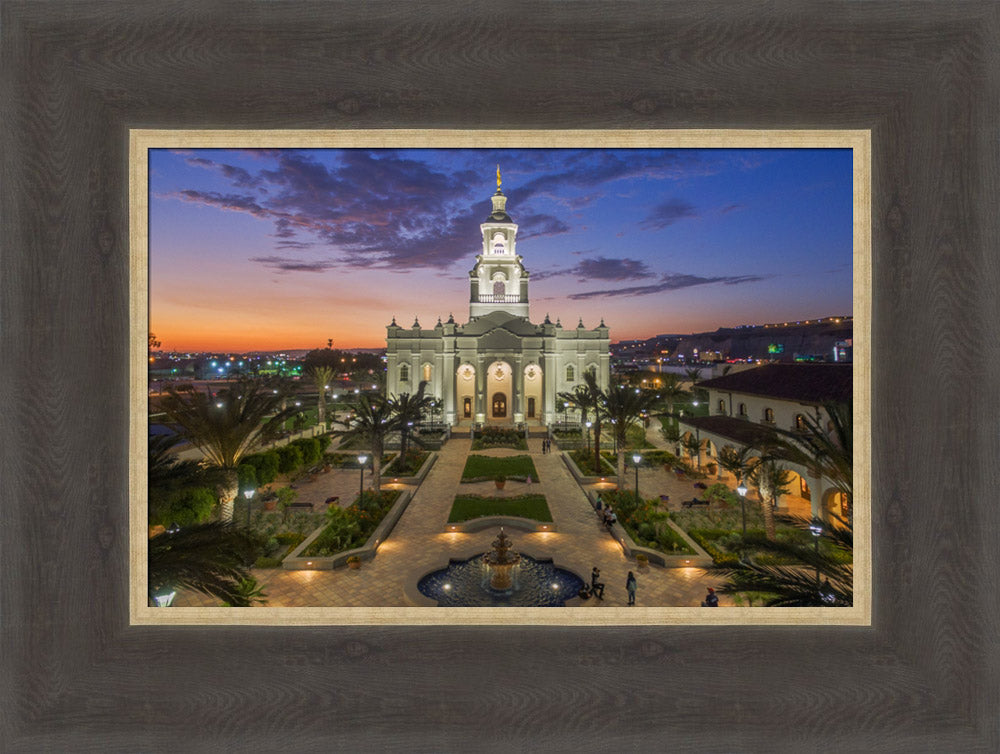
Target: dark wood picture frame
<point>76,76</point>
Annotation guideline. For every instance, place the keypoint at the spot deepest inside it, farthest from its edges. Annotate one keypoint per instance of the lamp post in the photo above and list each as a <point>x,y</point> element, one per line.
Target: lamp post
<point>565,414</point>
<point>636,459</point>
<point>742,492</point>
<point>816,529</point>
<point>361,487</point>
<point>588,437</point>
<point>248,494</point>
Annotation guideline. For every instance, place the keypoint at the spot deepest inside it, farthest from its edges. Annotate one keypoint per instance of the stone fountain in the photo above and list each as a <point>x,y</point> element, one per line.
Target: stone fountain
<point>500,562</point>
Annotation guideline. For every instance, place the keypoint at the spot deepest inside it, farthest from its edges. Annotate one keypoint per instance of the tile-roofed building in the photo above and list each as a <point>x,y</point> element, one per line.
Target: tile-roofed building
<point>747,408</point>
<point>806,383</point>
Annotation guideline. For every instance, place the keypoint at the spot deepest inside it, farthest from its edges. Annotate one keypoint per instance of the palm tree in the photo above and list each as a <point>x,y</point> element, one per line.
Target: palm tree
<point>672,434</point>
<point>693,374</point>
<point>623,406</point>
<point>407,410</point>
<point>212,558</point>
<point>797,585</point>
<point>737,462</point>
<point>693,447</point>
<point>231,425</point>
<point>671,392</point>
<point>827,453</point>
<point>772,480</point>
<point>321,377</point>
<point>374,419</point>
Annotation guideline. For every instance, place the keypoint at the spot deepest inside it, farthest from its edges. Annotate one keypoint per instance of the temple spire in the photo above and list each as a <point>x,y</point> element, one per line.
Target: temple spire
<point>498,178</point>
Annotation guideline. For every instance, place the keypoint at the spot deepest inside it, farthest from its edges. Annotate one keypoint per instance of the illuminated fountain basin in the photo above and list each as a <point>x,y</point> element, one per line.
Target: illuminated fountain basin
<point>534,583</point>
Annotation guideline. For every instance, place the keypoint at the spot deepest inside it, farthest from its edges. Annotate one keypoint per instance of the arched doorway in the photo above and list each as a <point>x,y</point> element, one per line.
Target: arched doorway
<point>465,392</point>
<point>498,406</point>
<point>532,392</point>
<point>498,390</point>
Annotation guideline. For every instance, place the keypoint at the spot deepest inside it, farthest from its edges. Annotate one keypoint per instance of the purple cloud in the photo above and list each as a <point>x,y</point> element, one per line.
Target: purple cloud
<point>668,282</point>
<point>668,213</point>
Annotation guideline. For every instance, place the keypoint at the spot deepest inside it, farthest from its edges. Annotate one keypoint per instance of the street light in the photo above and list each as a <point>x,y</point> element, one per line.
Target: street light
<point>248,494</point>
<point>565,414</point>
<point>636,459</point>
<point>361,488</point>
<point>816,529</point>
<point>588,437</point>
<point>742,492</point>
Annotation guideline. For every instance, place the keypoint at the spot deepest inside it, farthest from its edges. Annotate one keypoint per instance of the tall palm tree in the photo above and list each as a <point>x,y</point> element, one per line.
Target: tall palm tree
<point>671,392</point>
<point>212,558</point>
<point>827,452</point>
<point>622,407</point>
<point>771,479</point>
<point>693,447</point>
<point>737,462</point>
<point>407,410</point>
<point>374,419</point>
<point>231,425</point>
<point>321,377</point>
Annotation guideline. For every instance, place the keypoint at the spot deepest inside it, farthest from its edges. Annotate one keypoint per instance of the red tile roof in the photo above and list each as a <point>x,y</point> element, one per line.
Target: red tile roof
<point>809,383</point>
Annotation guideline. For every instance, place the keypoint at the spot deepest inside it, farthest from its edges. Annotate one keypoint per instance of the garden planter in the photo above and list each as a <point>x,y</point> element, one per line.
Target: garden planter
<point>270,505</point>
<point>354,564</point>
<point>499,484</point>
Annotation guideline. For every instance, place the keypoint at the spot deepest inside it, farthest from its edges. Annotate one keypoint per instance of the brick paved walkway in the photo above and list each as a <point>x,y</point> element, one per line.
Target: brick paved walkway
<point>419,544</point>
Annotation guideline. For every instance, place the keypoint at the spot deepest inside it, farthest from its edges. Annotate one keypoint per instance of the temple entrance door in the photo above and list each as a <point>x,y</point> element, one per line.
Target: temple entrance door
<point>531,407</point>
<point>499,406</point>
<point>467,408</point>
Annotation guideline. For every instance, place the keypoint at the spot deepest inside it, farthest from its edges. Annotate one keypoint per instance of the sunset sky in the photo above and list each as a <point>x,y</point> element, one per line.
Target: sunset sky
<point>283,249</point>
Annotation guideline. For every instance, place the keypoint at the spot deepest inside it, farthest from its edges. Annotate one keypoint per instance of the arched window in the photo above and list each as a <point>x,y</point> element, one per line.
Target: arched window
<point>743,409</point>
<point>769,415</point>
<point>427,373</point>
<point>570,373</point>
<point>404,373</point>
<point>498,288</point>
<point>722,406</point>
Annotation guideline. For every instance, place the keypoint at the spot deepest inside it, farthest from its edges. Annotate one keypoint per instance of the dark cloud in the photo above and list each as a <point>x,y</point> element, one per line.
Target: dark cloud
<point>668,213</point>
<point>668,282</point>
<point>380,208</point>
<point>286,264</point>
<point>602,268</point>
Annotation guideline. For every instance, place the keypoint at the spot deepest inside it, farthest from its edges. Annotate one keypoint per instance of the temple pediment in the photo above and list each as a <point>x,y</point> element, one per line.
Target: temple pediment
<point>499,339</point>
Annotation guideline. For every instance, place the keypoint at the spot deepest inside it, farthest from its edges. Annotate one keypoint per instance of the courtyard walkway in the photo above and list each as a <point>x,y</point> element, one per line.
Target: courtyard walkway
<point>420,544</point>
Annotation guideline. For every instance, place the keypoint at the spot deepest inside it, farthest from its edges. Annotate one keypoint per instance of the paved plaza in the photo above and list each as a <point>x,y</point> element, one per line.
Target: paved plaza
<point>419,543</point>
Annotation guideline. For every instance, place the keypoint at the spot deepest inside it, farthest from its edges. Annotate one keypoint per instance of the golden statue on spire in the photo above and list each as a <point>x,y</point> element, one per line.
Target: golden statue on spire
<point>498,177</point>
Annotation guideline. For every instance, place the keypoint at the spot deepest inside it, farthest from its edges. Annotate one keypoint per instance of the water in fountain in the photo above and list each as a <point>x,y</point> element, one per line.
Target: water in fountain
<point>501,578</point>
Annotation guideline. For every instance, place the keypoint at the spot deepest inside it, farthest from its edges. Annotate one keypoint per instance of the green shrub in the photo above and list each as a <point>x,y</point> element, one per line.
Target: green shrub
<point>265,562</point>
<point>289,458</point>
<point>324,443</point>
<point>246,473</point>
<point>310,449</point>
<point>185,507</point>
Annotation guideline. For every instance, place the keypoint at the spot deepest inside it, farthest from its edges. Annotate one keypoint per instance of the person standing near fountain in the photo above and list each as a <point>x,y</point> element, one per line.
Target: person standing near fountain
<point>596,585</point>
<point>630,587</point>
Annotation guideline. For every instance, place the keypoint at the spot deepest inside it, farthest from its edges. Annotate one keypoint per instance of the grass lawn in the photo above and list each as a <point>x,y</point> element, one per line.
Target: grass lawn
<point>468,507</point>
<point>487,467</point>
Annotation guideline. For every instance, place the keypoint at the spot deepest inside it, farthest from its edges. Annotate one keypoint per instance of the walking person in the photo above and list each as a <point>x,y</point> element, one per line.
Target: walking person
<point>711,599</point>
<point>630,587</point>
<point>596,585</point>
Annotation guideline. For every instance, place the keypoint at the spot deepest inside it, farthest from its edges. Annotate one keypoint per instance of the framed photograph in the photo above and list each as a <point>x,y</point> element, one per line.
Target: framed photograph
<point>86,668</point>
<point>325,238</point>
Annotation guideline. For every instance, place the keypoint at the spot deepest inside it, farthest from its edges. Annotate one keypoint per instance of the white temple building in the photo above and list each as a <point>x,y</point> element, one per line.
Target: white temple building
<point>499,367</point>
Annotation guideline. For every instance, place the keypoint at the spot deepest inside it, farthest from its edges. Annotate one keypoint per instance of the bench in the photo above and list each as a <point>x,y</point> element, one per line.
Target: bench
<point>693,502</point>
<point>300,506</point>
<point>664,499</point>
<point>333,500</point>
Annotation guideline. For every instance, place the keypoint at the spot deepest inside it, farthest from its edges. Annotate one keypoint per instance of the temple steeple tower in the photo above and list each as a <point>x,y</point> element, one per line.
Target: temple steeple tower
<point>499,281</point>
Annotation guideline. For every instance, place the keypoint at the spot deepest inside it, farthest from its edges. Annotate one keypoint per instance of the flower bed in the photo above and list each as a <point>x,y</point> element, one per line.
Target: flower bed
<point>499,437</point>
<point>348,528</point>
<point>646,524</point>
